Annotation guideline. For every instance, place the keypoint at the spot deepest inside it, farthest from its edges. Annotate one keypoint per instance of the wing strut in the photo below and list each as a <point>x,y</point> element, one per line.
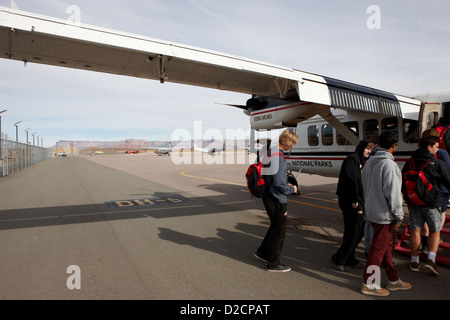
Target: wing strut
<point>10,41</point>
<point>162,65</point>
<point>283,86</point>
<point>325,113</point>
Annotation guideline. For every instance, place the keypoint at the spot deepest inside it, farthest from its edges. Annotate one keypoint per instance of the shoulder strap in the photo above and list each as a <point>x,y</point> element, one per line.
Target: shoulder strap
<point>424,165</point>
<point>411,164</point>
<point>266,159</point>
<point>277,153</point>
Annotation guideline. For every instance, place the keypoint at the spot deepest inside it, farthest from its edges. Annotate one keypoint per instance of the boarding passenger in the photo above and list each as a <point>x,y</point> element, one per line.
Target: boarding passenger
<point>442,127</point>
<point>351,202</point>
<point>437,173</point>
<point>275,203</point>
<point>382,182</point>
<point>443,155</point>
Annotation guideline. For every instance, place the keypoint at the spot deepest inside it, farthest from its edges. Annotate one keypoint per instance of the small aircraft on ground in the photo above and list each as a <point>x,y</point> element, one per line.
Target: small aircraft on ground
<point>161,151</point>
<point>211,150</point>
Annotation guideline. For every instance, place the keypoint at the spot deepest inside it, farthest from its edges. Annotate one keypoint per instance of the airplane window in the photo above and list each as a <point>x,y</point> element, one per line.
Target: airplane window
<point>353,126</point>
<point>370,130</point>
<point>410,134</point>
<point>389,124</point>
<point>327,135</point>
<point>313,135</point>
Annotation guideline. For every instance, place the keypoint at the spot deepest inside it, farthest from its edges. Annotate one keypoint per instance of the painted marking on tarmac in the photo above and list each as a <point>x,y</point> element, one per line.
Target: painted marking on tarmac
<point>210,179</point>
<point>147,202</point>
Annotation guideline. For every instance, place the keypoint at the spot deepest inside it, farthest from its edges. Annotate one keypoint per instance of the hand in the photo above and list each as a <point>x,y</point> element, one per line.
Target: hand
<point>295,187</point>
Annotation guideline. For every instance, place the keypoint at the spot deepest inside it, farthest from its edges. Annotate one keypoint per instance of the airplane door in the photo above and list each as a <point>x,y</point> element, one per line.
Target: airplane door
<point>429,115</point>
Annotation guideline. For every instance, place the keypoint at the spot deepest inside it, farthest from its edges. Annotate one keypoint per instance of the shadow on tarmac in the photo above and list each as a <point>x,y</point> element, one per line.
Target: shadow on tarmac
<point>136,208</point>
<point>305,252</point>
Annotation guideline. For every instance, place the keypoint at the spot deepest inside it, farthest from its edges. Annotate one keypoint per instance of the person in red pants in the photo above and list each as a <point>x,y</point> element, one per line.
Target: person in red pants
<point>382,182</point>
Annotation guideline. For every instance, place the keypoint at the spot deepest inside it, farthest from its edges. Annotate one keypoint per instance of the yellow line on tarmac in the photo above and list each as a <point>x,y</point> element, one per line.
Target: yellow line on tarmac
<point>227,182</point>
<point>309,197</point>
<point>315,205</point>
<point>183,173</point>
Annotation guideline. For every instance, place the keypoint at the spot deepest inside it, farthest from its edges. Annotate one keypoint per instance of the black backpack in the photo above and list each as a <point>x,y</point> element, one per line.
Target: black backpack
<point>419,190</point>
<point>255,181</point>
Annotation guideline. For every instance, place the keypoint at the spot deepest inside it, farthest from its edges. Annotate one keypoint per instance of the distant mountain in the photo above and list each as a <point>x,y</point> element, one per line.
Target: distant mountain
<point>127,144</point>
<point>134,144</point>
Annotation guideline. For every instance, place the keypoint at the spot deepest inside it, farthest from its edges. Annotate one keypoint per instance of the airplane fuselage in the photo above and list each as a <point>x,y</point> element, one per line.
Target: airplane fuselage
<point>321,148</point>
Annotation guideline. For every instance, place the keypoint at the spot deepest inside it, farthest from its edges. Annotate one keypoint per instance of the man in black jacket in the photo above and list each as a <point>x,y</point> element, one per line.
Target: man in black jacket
<point>436,173</point>
<point>351,202</point>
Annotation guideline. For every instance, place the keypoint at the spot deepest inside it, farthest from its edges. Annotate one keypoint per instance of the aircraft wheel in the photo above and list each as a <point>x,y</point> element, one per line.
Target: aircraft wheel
<point>294,182</point>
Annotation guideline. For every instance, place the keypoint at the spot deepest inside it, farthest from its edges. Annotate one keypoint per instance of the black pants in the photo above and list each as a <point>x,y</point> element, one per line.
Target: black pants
<point>353,234</point>
<point>270,248</point>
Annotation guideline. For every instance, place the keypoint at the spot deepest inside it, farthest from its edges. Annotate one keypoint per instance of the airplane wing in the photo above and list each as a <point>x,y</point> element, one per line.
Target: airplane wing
<point>34,38</point>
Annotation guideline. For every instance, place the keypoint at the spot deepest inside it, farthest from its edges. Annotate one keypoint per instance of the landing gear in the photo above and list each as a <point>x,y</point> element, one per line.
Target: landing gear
<point>293,181</point>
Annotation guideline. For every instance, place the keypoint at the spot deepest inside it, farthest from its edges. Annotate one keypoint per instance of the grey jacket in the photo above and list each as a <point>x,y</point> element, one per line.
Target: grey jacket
<point>382,182</point>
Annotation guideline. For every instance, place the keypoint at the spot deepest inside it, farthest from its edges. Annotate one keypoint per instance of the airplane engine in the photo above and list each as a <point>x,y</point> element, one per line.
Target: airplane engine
<point>282,116</point>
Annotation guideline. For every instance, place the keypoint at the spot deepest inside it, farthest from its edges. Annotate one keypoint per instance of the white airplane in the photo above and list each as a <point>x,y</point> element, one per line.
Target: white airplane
<point>330,116</point>
<point>161,151</point>
<point>213,150</point>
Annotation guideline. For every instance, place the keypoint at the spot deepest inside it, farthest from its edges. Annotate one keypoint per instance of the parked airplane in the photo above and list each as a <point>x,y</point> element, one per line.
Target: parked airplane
<point>132,152</point>
<point>213,150</point>
<point>323,142</point>
<point>330,116</point>
<point>162,151</point>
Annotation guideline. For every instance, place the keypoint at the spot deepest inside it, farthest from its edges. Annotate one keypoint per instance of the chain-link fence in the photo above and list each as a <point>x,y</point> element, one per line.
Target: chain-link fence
<point>15,156</point>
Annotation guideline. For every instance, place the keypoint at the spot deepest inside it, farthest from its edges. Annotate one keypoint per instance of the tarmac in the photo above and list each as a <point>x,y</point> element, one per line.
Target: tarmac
<point>140,227</point>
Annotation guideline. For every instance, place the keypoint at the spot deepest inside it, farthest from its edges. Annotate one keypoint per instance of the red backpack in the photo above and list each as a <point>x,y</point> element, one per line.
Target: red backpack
<point>255,180</point>
<point>441,129</point>
<point>419,191</point>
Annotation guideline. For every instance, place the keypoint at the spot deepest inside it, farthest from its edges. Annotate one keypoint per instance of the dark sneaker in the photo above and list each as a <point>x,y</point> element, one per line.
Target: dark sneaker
<point>414,266</point>
<point>259,257</point>
<point>400,285</point>
<point>357,265</point>
<point>430,266</point>
<point>374,291</point>
<point>279,268</point>
<point>340,267</point>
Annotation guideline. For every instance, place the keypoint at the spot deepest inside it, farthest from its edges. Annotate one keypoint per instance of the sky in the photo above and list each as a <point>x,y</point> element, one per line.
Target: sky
<point>398,46</point>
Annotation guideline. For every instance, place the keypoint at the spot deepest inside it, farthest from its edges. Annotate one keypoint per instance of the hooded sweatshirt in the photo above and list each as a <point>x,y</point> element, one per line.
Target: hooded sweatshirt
<point>350,188</point>
<point>382,182</point>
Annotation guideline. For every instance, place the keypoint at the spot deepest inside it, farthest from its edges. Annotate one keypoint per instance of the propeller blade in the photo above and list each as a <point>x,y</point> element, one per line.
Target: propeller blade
<point>234,105</point>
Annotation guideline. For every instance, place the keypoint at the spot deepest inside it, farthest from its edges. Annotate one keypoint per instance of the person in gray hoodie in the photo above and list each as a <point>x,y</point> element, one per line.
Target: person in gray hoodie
<point>382,182</point>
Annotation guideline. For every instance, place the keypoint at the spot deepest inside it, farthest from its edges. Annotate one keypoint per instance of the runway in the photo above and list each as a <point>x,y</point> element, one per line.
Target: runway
<point>142,227</point>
